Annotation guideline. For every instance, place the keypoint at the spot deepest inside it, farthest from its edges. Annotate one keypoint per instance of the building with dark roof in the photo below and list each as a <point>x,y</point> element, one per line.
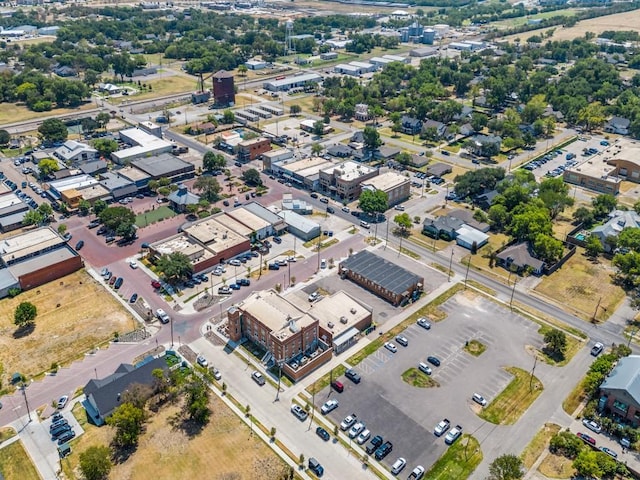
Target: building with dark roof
<point>620,391</point>
<point>516,258</point>
<point>104,395</point>
<point>395,284</point>
<point>118,186</point>
<point>182,197</point>
<point>439,169</point>
<point>165,165</point>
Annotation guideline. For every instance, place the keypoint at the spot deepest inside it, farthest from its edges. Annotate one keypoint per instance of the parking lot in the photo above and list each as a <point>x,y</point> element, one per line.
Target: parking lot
<point>407,415</point>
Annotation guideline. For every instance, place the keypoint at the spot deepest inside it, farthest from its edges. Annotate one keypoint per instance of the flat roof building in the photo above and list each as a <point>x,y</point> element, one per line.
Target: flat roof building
<point>165,165</point>
<point>302,227</point>
<point>143,144</point>
<point>396,186</point>
<point>297,81</point>
<point>305,171</point>
<point>76,182</point>
<point>344,180</point>
<point>277,223</point>
<point>253,222</point>
<point>137,176</point>
<point>395,284</point>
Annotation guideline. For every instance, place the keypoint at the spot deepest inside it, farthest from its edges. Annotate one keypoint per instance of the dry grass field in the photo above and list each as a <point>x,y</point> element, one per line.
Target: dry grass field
<point>11,112</point>
<point>75,314</point>
<point>580,284</point>
<point>15,464</point>
<point>557,466</point>
<point>619,22</point>
<point>223,449</point>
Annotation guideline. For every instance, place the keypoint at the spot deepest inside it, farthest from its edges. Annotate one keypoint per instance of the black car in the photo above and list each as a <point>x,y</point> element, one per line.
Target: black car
<point>353,375</point>
<point>244,282</point>
<point>65,437</point>
<point>274,266</point>
<point>134,298</point>
<point>434,361</point>
<point>226,203</point>
<point>374,444</point>
<point>314,195</point>
<point>330,210</point>
<point>267,243</point>
<point>323,434</point>
<point>355,213</point>
<point>118,283</point>
<point>238,164</point>
<point>383,450</point>
<point>277,240</point>
<point>80,244</point>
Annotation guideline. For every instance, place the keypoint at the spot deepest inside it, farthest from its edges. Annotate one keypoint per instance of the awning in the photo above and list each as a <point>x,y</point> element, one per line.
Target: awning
<point>345,337</point>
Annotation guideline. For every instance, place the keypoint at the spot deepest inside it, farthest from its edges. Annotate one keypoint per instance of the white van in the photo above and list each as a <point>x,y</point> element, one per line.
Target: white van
<point>364,224</point>
<point>162,316</point>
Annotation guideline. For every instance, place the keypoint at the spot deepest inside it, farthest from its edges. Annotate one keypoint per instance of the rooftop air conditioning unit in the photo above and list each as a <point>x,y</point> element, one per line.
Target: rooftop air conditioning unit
<point>353,311</point>
<point>343,320</point>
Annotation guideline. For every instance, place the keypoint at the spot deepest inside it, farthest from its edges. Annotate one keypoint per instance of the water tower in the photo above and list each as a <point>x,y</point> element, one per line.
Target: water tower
<point>288,41</point>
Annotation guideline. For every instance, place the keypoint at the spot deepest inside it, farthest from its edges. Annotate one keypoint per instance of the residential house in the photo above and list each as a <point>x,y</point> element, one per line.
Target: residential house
<point>485,200</point>
<point>362,112</point>
<point>516,258</point>
<point>439,169</point>
<point>485,145</point>
<point>618,125</point>
<point>65,71</point>
<point>433,129</point>
<point>443,227</point>
<point>467,217</point>
<point>618,221</point>
<point>410,125</point>
<point>182,197</point>
<point>620,390</point>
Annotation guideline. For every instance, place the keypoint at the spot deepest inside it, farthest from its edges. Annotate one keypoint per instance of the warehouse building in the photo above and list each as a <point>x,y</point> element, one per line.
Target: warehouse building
<point>165,166</point>
<point>287,83</point>
<point>142,144</point>
<point>382,277</point>
<point>258,226</point>
<point>278,225</point>
<point>302,227</point>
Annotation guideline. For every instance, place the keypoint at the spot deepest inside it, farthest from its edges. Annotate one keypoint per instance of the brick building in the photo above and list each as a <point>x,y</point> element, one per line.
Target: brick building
<point>251,149</point>
<point>620,391</point>
<point>344,181</point>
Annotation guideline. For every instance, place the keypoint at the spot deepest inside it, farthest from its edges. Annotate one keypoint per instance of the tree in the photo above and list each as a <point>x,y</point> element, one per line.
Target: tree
<point>208,187</point>
<point>374,201</point>
<point>478,181</point>
<point>592,116</point>
<point>25,314</point>
<point>549,249</point>
<point>584,216</point>
<point>295,109</point>
<point>5,138</point>
<point>593,247</point>
<point>242,70</point>
<point>127,419</point>
<point>53,130</point>
<point>318,128</point>
<point>213,161</point>
<point>103,119</point>
<point>554,194</point>
<point>252,177</point>
<point>228,117</point>
<point>556,342</point>
<point>371,138</point>
<point>32,217</point>
<point>630,238</point>
<point>120,220</point>
<point>498,216</point>
<point>506,467</point>
<point>566,443</point>
<point>47,166</point>
<point>84,207</point>
<point>105,146</point>
<point>175,267</point>
<point>95,462</point>
<point>603,204</point>
<point>316,148</point>
<point>62,229</point>
<point>530,222</point>
<point>403,221</point>
<point>197,401</point>
<point>99,206</point>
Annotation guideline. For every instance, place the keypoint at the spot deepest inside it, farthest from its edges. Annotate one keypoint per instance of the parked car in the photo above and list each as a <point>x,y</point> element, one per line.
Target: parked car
<point>79,245</point>
<point>591,425</point>
<point>417,473</point>
<point>453,435</point>
<point>324,200</point>
<point>398,465</point>
<point>224,290</point>
<point>118,283</point>
<point>337,386</point>
<point>479,399</point>
<point>278,240</point>
<point>202,361</point>
<point>348,421</point>
<point>586,438</point>
<point>65,437</point>
<point>363,436</point>
<point>423,367</point>
<point>331,210</point>
<point>258,378</point>
<point>352,375</point>
<point>424,323</point>
<point>434,361</point>
<point>62,401</point>
<point>299,412</point>
<point>374,444</point>
<point>442,427</point>
<point>402,340</point>
<point>391,347</point>
<point>597,349</point>
<point>355,430</point>
<point>134,298</point>
<point>315,467</point>
<point>383,450</point>
<point>609,452</point>
<point>329,406</point>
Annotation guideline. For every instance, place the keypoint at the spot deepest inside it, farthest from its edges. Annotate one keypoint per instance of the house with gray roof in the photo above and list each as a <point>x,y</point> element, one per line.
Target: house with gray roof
<point>620,391</point>
<point>441,227</point>
<point>619,125</point>
<point>182,197</point>
<point>516,258</point>
<point>618,221</point>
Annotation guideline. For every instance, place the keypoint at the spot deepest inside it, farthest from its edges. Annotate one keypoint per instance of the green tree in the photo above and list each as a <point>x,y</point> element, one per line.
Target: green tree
<point>554,194</point>
<point>593,247</point>
<point>197,401</point>
<point>53,130</point>
<point>175,267</point>
<point>584,216</point>
<point>252,177</point>
<point>95,462</point>
<point>127,419</point>
<point>547,248</point>
<point>318,128</point>
<point>99,206</point>
<point>103,119</point>
<point>105,146</point>
<point>603,204</point>
<point>630,238</point>
<point>46,210</point>
<point>208,187</point>
<point>120,220</point>
<point>530,222</point>
<point>592,116</point>
<point>506,467</point>
<point>556,342</point>
<point>47,166</point>
<point>373,201</point>
<point>25,314</point>
<point>84,207</point>
<point>228,117</point>
<point>32,217</point>
<point>566,444</point>
<point>316,148</point>
<point>403,221</point>
<point>295,109</point>
<point>478,181</point>
<point>62,229</point>
<point>5,138</point>
<point>371,138</point>
<point>498,216</point>
<point>213,161</point>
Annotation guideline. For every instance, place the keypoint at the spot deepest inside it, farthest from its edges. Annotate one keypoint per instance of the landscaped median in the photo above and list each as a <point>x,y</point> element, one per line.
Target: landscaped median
<point>459,461</point>
<point>514,400</point>
<point>416,378</point>
<point>430,311</point>
<point>323,381</point>
<point>538,444</point>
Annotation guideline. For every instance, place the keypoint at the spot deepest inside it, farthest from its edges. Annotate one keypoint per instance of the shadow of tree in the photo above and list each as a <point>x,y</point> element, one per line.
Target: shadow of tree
<point>121,454</point>
<point>24,330</point>
<point>189,427</point>
<point>554,355</point>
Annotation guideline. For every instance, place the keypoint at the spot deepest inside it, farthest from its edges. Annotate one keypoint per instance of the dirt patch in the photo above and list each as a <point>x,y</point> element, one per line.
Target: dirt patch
<point>75,314</point>
<point>557,466</point>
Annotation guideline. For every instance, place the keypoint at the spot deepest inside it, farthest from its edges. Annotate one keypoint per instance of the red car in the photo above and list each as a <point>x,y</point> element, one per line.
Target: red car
<point>155,284</point>
<point>586,438</point>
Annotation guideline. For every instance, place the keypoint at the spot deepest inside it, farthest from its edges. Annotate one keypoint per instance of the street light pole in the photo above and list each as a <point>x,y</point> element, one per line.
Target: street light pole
<point>467,274</point>
<point>513,291</point>
<point>26,402</point>
<point>171,326</point>
<point>450,265</point>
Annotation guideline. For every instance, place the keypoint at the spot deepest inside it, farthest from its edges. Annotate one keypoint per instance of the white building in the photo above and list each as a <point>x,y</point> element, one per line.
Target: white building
<point>142,144</point>
<point>73,152</point>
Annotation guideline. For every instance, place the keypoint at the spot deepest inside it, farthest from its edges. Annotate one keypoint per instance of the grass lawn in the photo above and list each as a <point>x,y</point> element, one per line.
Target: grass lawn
<point>581,284</point>
<point>168,452</point>
<point>12,112</point>
<point>15,464</point>
<point>475,348</point>
<point>574,399</point>
<point>6,433</point>
<point>416,378</point>
<point>430,311</point>
<point>74,310</point>
<point>538,444</point>
<point>160,86</point>
<point>153,216</point>
<point>573,346</point>
<point>557,466</point>
<point>514,400</point>
<point>323,381</point>
<point>458,462</point>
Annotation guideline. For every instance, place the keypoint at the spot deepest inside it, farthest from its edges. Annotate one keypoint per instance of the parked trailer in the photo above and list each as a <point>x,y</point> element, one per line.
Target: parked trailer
<point>271,109</point>
<point>247,116</point>
<point>259,112</point>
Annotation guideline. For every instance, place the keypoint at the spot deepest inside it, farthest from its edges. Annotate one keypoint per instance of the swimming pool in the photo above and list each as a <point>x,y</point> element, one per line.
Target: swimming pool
<point>581,236</point>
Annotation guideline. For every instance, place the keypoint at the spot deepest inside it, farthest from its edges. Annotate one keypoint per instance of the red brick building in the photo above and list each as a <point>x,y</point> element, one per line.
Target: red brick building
<point>251,149</point>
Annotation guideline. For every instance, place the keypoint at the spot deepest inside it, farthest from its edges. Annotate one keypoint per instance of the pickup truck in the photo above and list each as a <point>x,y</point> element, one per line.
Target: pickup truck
<point>417,473</point>
<point>442,427</point>
<point>453,435</point>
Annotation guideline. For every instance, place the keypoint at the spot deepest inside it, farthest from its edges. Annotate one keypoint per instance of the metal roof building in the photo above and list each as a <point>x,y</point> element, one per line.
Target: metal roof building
<point>300,226</point>
<point>384,278</point>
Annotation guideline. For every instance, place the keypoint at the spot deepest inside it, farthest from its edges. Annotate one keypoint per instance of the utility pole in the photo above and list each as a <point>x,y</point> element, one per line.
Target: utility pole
<point>467,274</point>
<point>279,376</point>
<point>450,265</point>
<point>171,326</point>
<point>513,291</point>
<point>535,361</point>
<point>595,313</point>
<point>26,402</point>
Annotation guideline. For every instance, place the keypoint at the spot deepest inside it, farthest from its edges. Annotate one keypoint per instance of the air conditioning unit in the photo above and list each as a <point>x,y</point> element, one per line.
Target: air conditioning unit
<point>343,320</point>
<point>353,311</point>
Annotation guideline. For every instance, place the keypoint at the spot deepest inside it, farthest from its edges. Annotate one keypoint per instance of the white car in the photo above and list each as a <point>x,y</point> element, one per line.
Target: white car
<point>424,323</point>
<point>442,427</point>
<point>133,264</point>
<point>363,437</point>
<point>453,435</point>
<point>216,374</point>
<point>391,347</point>
<point>591,425</point>
<point>356,429</point>
<point>202,361</point>
<point>402,340</point>
<point>423,367</point>
<point>348,422</point>
<point>291,259</point>
<point>398,465</point>
<point>63,401</point>
<point>329,406</point>
<point>479,399</point>
<point>417,473</point>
